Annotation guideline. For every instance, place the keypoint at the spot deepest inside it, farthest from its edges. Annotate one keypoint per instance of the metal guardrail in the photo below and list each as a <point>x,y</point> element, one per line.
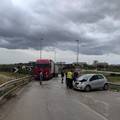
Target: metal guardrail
<point>12,85</point>
<point>102,71</point>
<point>113,84</point>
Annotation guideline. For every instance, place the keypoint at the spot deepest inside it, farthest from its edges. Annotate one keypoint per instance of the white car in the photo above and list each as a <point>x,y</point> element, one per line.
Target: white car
<point>87,82</point>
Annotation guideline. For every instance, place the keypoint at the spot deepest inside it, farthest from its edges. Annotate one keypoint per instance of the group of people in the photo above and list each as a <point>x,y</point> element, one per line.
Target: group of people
<point>70,77</point>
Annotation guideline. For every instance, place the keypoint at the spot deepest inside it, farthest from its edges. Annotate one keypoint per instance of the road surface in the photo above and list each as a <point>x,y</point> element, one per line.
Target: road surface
<point>52,101</point>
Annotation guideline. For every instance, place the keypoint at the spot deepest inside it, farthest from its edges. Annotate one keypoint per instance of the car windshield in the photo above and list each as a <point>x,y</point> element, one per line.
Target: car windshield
<point>84,77</point>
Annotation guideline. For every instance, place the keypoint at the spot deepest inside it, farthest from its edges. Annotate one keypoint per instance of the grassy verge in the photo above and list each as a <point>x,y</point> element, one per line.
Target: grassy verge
<point>7,76</point>
<point>2,80</point>
<point>12,87</point>
<point>6,90</point>
<point>114,88</point>
<point>114,79</point>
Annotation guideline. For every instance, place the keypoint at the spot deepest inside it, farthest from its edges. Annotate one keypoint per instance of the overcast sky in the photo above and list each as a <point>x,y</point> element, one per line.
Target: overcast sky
<point>95,23</point>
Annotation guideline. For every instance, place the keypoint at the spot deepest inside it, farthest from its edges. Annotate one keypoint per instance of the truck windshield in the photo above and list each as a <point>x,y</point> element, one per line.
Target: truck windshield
<point>37,65</point>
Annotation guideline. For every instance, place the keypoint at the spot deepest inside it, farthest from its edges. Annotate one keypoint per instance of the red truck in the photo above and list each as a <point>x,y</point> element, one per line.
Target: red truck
<point>47,66</point>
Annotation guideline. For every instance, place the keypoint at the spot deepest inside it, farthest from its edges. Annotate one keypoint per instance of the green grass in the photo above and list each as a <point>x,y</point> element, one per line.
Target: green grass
<point>10,88</point>
<point>2,80</point>
<point>114,79</point>
<point>6,90</point>
<point>114,88</point>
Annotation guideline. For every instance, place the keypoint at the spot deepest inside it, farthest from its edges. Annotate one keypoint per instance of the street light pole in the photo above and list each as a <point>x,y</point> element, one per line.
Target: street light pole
<point>41,48</point>
<point>77,52</point>
<point>55,56</point>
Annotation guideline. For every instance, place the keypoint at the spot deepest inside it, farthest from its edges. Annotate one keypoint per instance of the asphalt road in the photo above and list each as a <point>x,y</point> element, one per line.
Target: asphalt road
<point>52,101</point>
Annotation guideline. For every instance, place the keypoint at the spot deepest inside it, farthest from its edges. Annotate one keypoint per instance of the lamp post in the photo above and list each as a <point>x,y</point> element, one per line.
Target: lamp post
<point>55,56</point>
<point>77,52</point>
<point>41,48</point>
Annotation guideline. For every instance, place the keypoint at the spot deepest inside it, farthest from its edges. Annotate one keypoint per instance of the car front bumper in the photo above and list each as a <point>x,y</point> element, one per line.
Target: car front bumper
<point>79,86</point>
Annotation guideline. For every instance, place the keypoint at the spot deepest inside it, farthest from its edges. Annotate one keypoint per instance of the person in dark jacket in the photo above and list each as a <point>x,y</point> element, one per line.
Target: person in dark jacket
<point>62,76</point>
<point>75,76</point>
<point>41,76</point>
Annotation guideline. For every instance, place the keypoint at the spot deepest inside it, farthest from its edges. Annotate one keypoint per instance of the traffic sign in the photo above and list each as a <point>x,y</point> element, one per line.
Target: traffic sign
<point>16,69</point>
<point>30,69</point>
<point>23,67</point>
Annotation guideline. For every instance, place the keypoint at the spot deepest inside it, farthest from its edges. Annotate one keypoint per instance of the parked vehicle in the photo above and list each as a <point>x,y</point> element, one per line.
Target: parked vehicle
<point>56,71</point>
<point>48,68</point>
<point>87,82</point>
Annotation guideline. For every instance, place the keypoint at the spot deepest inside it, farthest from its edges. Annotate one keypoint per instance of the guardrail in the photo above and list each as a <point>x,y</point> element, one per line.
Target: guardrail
<point>114,86</point>
<point>12,85</point>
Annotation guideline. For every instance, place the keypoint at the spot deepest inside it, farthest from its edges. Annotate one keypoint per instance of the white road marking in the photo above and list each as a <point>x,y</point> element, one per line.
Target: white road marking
<point>102,102</point>
<point>91,110</point>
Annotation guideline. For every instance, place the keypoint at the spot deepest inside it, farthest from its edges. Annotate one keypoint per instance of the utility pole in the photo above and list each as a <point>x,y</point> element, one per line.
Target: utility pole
<point>55,56</point>
<point>41,48</point>
<point>77,52</point>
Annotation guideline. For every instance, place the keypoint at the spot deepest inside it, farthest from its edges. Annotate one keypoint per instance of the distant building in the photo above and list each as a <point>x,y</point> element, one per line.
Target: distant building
<point>79,63</point>
<point>114,64</point>
<point>60,63</point>
<point>96,63</point>
<point>32,63</point>
<point>103,63</point>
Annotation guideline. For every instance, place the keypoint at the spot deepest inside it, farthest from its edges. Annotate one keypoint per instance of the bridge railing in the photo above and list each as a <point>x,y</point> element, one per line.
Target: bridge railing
<point>12,85</point>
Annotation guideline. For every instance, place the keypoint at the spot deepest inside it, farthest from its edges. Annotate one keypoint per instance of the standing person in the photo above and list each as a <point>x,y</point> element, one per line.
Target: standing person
<point>67,85</point>
<point>62,76</point>
<point>70,79</point>
<point>75,75</point>
<point>41,76</point>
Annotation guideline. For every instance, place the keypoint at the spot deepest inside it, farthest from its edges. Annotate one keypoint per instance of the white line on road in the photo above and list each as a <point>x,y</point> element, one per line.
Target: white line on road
<point>98,101</point>
<point>91,110</point>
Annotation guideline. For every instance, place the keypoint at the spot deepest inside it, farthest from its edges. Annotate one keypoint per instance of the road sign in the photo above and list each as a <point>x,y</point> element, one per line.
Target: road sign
<point>23,67</point>
<point>16,69</point>
<point>30,69</point>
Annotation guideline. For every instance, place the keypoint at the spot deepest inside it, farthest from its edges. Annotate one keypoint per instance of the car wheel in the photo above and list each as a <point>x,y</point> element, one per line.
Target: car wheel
<point>105,87</point>
<point>87,88</point>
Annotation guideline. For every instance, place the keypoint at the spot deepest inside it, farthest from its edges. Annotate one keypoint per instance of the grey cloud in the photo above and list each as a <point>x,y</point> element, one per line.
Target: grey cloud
<point>60,24</point>
<point>79,16</point>
<point>107,7</point>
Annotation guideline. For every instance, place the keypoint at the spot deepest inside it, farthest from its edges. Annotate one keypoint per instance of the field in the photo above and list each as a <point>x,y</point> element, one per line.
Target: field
<point>7,76</point>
